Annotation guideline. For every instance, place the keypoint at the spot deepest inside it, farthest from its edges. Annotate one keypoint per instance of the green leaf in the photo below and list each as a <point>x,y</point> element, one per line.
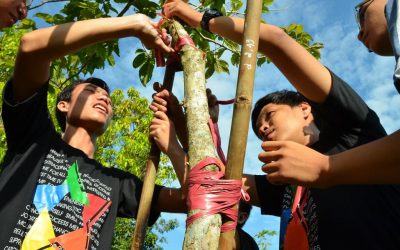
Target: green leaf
<point>261,61</point>
<point>209,72</point>
<point>231,45</point>
<point>111,60</point>
<point>146,72</point>
<point>221,66</point>
<point>27,24</point>
<point>139,60</point>
<point>46,17</point>
<point>236,5</point>
<point>235,59</point>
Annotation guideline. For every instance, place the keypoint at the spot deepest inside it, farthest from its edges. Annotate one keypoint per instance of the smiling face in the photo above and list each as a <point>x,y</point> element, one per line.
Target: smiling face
<point>277,122</point>
<point>373,27</point>
<point>11,11</point>
<point>89,107</point>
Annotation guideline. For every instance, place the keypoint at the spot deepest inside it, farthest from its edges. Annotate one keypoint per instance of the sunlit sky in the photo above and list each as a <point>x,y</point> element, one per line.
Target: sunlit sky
<point>331,22</point>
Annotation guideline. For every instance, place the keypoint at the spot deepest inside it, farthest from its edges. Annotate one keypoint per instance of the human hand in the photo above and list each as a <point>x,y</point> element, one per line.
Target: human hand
<point>162,130</point>
<point>166,102</point>
<point>213,106</point>
<point>151,37</point>
<point>182,10</point>
<point>288,162</point>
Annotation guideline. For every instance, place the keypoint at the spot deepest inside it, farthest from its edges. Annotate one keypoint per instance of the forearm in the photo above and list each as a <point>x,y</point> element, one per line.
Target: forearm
<point>305,72</point>
<point>377,162</point>
<point>171,200</point>
<point>178,160</point>
<point>40,47</point>
<point>179,119</point>
<point>54,42</point>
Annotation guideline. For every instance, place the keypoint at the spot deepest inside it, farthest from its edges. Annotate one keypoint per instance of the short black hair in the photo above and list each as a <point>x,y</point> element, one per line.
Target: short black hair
<point>287,97</point>
<point>65,95</point>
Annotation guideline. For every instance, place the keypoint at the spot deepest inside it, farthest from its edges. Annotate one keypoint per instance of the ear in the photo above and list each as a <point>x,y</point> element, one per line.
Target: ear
<point>63,106</point>
<point>306,109</point>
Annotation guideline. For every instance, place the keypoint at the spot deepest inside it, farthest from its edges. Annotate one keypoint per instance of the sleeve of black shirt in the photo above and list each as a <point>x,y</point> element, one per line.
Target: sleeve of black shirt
<point>24,121</point>
<point>130,193</point>
<point>270,196</point>
<point>344,112</point>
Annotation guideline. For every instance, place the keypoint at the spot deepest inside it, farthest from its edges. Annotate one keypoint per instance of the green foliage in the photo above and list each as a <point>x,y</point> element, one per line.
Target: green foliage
<point>147,7</point>
<point>262,238</point>
<point>124,229</point>
<point>145,62</point>
<point>215,63</point>
<point>296,31</point>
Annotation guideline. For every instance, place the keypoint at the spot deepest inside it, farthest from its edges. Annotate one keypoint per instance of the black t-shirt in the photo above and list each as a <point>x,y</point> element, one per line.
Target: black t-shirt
<point>52,193</point>
<point>343,217</point>
<point>246,241</point>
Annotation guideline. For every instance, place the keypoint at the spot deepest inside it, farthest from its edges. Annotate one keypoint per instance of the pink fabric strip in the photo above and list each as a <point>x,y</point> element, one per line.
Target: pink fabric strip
<point>231,101</point>
<point>210,193</point>
<point>217,140</point>
<point>182,41</point>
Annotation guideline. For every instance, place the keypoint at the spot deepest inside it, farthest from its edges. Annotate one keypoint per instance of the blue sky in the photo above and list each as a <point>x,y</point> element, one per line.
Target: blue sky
<point>331,22</point>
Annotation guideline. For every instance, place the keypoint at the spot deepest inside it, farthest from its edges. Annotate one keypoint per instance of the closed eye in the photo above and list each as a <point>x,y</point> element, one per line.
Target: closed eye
<point>269,114</point>
<point>91,90</point>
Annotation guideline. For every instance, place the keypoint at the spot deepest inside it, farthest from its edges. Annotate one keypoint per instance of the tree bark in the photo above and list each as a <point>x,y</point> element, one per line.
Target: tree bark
<point>204,232</point>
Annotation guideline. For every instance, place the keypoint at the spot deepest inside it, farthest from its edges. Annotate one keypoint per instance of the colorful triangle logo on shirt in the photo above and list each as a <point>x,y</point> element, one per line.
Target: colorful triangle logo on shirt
<point>76,186</point>
<point>40,233</point>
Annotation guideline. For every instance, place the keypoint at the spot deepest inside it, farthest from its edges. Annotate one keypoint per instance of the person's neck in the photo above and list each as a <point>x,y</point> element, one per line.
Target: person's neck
<point>312,134</point>
<point>81,139</point>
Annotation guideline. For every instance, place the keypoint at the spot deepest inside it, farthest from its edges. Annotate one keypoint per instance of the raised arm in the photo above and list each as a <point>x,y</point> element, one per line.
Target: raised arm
<point>40,47</point>
<point>305,72</point>
<point>162,130</point>
<point>373,163</point>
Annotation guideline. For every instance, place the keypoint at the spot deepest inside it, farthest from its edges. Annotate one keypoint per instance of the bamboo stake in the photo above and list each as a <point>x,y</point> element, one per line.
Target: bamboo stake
<point>150,177</point>
<point>243,101</point>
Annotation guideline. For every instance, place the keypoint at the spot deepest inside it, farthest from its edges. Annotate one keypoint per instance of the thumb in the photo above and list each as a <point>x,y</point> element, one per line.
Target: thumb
<point>157,87</point>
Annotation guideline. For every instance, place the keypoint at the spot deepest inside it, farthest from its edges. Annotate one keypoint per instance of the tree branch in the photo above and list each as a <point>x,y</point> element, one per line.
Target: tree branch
<point>126,8</point>
<point>45,2</point>
<point>215,42</point>
<point>73,76</point>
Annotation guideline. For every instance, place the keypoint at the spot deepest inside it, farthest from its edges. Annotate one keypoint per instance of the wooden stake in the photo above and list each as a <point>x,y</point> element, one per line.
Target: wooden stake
<point>150,177</point>
<point>243,103</point>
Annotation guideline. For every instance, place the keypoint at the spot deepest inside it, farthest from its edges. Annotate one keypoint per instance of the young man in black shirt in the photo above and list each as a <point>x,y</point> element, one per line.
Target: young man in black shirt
<point>378,21</point>
<point>52,191</point>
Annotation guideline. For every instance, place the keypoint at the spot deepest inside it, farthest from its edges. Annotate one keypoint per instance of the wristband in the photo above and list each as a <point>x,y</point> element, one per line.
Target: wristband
<point>207,16</point>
